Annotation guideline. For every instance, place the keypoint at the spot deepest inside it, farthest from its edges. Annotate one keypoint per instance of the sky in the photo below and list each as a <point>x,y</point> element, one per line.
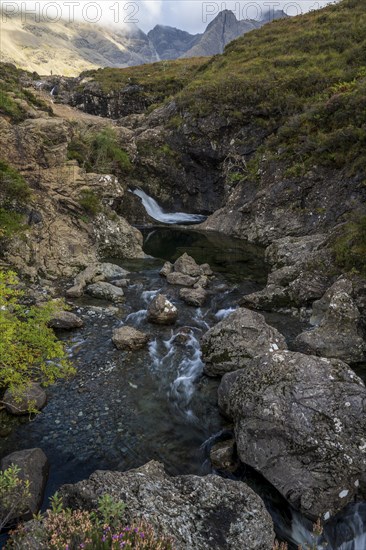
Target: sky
<point>190,15</point>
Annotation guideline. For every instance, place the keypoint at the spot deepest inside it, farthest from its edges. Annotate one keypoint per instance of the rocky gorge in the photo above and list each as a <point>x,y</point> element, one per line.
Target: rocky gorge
<point>235,346</point>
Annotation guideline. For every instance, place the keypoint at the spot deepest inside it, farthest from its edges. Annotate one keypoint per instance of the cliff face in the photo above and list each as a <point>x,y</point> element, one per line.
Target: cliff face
<point>65,220</point>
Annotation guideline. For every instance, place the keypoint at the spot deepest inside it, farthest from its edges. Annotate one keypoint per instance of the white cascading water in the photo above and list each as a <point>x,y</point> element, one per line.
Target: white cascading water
<point>157,213</point>
<point>52,91</point>
<point>189,370</point>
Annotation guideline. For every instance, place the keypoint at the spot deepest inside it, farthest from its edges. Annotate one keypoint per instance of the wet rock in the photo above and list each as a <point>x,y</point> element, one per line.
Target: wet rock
<point>182,279</point>
<point>130,339</point>
<point>161,311</point>
<point>338,334</point>
<point>166,269</point>
<point>183,335</point>
<point>193,296</point>
<point>223,456</point>
<point>187,265</point>
<point>300,421</point>
<point>65,320</point>
<point>106,291</point>
<point>198,512</point>
<point>236,340</point>
<point>34,467</point>
<point>34,397</point>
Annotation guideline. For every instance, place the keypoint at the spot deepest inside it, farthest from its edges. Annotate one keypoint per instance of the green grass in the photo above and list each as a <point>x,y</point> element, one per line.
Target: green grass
<point>301,81</point>
<point>158,81</point>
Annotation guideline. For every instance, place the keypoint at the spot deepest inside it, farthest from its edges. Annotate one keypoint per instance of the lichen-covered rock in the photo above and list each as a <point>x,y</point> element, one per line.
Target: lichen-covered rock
<point>198,512</point>
<point>236,340</point>
<point>187,265</point>
<point>300,421</point>
<point>94,273</point>
<point>291,250</point>
<point>106,291</point>
<point>181,279</point>
<point>129,338</point>
<point>34,467</point>
<point>161,311</point>
<point>115,237</point>
<point>65,320</point>
<point>33,397</point>
<point>193,296</point>
<point>338,334</point>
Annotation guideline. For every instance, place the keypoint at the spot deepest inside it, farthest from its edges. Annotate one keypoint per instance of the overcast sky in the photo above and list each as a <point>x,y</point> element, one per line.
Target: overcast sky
<point>190,15</point>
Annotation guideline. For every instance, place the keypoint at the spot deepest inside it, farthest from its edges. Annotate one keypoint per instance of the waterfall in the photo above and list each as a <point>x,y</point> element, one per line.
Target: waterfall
<point>52,92</point>
<point>157,213</point>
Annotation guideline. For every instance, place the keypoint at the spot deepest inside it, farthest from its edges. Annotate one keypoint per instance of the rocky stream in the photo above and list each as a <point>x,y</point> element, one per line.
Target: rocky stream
<point>125,408</point>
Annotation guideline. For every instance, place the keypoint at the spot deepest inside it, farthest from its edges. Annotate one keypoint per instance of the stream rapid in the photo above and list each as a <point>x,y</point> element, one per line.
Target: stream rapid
<point>123,409</point>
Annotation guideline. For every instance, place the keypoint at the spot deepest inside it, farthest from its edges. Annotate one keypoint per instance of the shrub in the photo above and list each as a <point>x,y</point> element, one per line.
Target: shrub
<point>101,529</point>
<point>29,349</point>
<point>99,152</point>
<point>90,202</point>
<point>350,245</point>
<point>14,495</point>
<point>14,193</point>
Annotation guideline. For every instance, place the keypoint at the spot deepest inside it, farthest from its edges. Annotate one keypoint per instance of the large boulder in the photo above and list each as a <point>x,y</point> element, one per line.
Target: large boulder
<point>129,338</point>
<point>338,334</point>
<point>65,320</point>
<point>161,311</point>
<point>34,467</point>
<point>198,512</point>
<point>106,291</point>
<point>33,398</point>
<point>300,421</point>
<point>236,340</point>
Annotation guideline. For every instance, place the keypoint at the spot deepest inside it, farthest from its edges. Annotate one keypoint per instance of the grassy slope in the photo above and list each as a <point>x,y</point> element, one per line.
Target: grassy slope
<point>303,79</point>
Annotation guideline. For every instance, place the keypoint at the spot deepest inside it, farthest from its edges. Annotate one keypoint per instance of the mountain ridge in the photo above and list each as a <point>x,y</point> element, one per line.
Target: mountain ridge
<point>70,48</point>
